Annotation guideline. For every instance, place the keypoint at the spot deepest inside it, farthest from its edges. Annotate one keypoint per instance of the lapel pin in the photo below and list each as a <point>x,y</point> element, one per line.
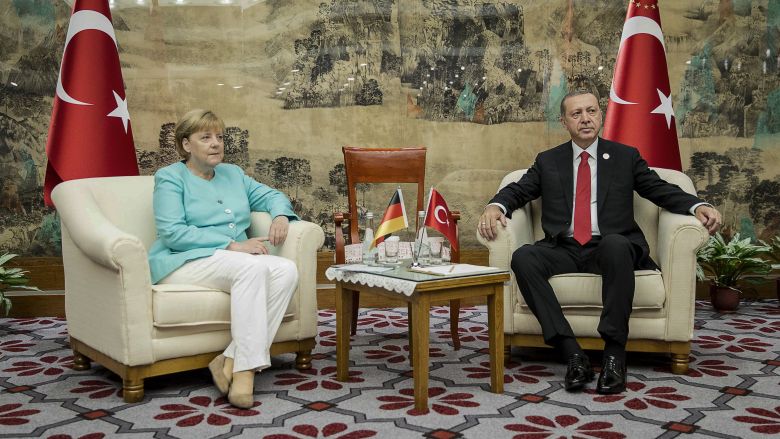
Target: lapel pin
<point>606,156</point>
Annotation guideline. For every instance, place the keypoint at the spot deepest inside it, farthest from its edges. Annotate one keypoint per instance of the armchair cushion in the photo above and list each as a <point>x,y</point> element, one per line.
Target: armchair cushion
<point>192,305</point>
<point>189,305</point>
<point>583,290</point>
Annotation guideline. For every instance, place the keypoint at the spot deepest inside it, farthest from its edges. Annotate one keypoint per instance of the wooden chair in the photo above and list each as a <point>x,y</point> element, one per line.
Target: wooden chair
<point>385,165</point>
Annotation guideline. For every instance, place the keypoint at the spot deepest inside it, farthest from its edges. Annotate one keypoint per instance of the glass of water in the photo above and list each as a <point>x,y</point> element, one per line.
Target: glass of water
<point>435,249</point>
<point>392,245</point>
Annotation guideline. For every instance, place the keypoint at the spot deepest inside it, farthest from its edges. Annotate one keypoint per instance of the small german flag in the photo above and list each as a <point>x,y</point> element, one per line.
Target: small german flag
<point>393,220</point>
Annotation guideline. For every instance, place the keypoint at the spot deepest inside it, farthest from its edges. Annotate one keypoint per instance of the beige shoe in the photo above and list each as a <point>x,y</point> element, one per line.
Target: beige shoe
<point>222,381</point>
<point>242,389</point>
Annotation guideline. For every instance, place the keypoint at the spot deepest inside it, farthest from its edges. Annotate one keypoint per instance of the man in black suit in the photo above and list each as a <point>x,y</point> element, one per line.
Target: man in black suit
<point>587,187</point>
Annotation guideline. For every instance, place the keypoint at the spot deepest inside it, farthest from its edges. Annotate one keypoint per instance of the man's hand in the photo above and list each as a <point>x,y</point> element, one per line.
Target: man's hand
<point>709,217</point>
<point>252,246</point>
<point>489,220</point>
<point>278,231</point>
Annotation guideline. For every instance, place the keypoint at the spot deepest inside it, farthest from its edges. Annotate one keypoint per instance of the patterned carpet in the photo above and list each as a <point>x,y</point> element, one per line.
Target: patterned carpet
<point>732,390</point>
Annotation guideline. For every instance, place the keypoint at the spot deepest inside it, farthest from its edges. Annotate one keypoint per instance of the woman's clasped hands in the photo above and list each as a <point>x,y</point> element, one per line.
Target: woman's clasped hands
<point>276,236</point>
<point>252,246</point>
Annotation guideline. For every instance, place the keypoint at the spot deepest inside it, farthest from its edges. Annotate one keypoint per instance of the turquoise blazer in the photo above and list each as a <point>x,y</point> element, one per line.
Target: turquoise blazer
<point>195,217</point>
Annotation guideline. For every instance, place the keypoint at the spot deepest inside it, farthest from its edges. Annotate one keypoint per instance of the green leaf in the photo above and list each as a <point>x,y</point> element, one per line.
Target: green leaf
<point>5,304</point>
<point>16,281</point>
<point>24,287</point>
<point>7,257</point>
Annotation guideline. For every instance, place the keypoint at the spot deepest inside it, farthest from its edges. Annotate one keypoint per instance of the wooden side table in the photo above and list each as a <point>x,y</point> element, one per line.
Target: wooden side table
<point>428,288</point>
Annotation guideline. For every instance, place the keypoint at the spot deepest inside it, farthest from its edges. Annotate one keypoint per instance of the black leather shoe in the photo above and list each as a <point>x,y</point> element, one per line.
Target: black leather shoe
<point>578,373</point>
<point>612,378</point>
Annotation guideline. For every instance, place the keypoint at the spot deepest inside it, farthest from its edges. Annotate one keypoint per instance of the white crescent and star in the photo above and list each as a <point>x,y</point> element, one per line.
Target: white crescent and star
<point>436,215</point>
<point>91,20</point>
<point>644,25</point>
<point>665,108</point>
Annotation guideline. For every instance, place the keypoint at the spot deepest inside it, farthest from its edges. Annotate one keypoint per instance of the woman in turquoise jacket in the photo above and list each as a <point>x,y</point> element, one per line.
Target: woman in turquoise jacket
<point>202,208</point>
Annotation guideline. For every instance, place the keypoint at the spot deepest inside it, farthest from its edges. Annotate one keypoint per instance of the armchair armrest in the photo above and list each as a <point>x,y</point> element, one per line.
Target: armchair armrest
<point>517,233</point>
<point>302,236</point>
<point>108,297</point>
<point>679,237</point>
<point>303,240</point>
<point>91,231</point>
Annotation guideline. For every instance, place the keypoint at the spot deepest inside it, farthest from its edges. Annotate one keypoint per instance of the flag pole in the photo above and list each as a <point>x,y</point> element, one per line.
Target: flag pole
<point>421,232</point>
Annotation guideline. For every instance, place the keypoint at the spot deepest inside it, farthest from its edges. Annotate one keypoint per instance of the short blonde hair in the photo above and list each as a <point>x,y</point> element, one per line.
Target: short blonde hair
<point>192,122</point>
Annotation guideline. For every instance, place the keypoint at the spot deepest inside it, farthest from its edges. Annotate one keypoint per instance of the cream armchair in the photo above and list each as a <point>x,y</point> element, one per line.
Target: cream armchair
<point>115,315</point>
<point>662,316</point>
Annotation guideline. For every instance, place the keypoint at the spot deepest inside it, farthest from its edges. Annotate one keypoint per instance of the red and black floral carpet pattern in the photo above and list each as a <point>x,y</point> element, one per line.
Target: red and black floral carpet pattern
<point>732,389</point>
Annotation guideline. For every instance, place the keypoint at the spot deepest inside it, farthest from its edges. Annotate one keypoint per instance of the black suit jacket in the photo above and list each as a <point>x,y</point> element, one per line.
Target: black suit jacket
<point>620,172</point>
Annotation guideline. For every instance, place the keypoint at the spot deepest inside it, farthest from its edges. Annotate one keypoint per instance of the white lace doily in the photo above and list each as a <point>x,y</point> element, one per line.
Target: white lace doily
<point>405,287</point>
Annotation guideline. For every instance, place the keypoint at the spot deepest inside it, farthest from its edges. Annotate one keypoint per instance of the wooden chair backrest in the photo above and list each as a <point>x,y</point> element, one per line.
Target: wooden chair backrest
<point>382,165</point>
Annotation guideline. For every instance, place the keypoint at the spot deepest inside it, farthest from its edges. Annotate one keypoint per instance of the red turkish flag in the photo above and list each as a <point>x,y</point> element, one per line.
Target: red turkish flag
<point>437,216</point>
<point>89,134</point>
<point>640,103</point>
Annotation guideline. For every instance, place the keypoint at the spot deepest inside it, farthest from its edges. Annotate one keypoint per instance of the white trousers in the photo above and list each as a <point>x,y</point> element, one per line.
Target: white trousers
<point>260,288</point>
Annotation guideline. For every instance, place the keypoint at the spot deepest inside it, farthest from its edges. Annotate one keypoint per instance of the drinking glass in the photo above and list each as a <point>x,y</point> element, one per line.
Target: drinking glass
<point>435,252</point>
<point>445,252</point>
<point>391,249</point>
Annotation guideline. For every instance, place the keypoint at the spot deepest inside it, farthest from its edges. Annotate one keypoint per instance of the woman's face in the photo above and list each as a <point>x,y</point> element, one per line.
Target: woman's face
<point>206,148</point>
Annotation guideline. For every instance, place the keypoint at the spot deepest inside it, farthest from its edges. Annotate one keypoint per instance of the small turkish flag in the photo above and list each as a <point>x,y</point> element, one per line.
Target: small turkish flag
<point>640,110</point>
<point>437,216</point>
<point>89,134</point>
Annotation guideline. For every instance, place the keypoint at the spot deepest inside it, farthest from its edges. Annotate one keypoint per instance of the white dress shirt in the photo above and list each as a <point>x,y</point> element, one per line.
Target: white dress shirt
<point>592,150</point>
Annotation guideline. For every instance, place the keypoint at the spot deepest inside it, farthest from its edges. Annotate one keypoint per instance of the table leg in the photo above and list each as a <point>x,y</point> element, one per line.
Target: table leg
<point>495,304</point>
<point>421,309</point>
<point>343,328</point>
<point>410,328</point>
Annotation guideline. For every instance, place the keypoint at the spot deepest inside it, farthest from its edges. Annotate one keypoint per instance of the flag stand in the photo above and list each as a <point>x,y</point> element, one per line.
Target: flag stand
<point>416,254</point>
<point>421,232</point>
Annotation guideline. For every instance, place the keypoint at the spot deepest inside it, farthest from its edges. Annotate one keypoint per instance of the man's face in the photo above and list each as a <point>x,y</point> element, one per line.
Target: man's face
<point>582,119</point>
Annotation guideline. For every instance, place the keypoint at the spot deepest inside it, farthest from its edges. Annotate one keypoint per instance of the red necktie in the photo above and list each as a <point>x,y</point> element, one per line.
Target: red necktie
<point>582,228</point>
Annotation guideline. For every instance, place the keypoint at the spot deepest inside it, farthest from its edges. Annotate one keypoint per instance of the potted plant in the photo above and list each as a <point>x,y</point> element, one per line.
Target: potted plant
<point>11,278</point>
<point>727,263</point>
<point>774,257</point>
<point>774,252</point>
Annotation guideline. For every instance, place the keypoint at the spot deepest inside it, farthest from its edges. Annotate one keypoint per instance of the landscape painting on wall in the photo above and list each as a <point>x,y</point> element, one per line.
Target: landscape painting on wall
<point>476,82</point>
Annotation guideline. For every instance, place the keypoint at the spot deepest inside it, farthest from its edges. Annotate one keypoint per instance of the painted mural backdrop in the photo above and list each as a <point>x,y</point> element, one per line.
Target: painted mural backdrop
<point>477,82</point>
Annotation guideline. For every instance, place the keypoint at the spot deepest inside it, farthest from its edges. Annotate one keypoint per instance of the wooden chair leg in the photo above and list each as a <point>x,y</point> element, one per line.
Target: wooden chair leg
<point>507,354</point>
<point>454,321</point>
<point>355,309</point>
<point>680,363</point>
<point>133,389</point>
<point>80,361</point>
<point>303,360</point>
